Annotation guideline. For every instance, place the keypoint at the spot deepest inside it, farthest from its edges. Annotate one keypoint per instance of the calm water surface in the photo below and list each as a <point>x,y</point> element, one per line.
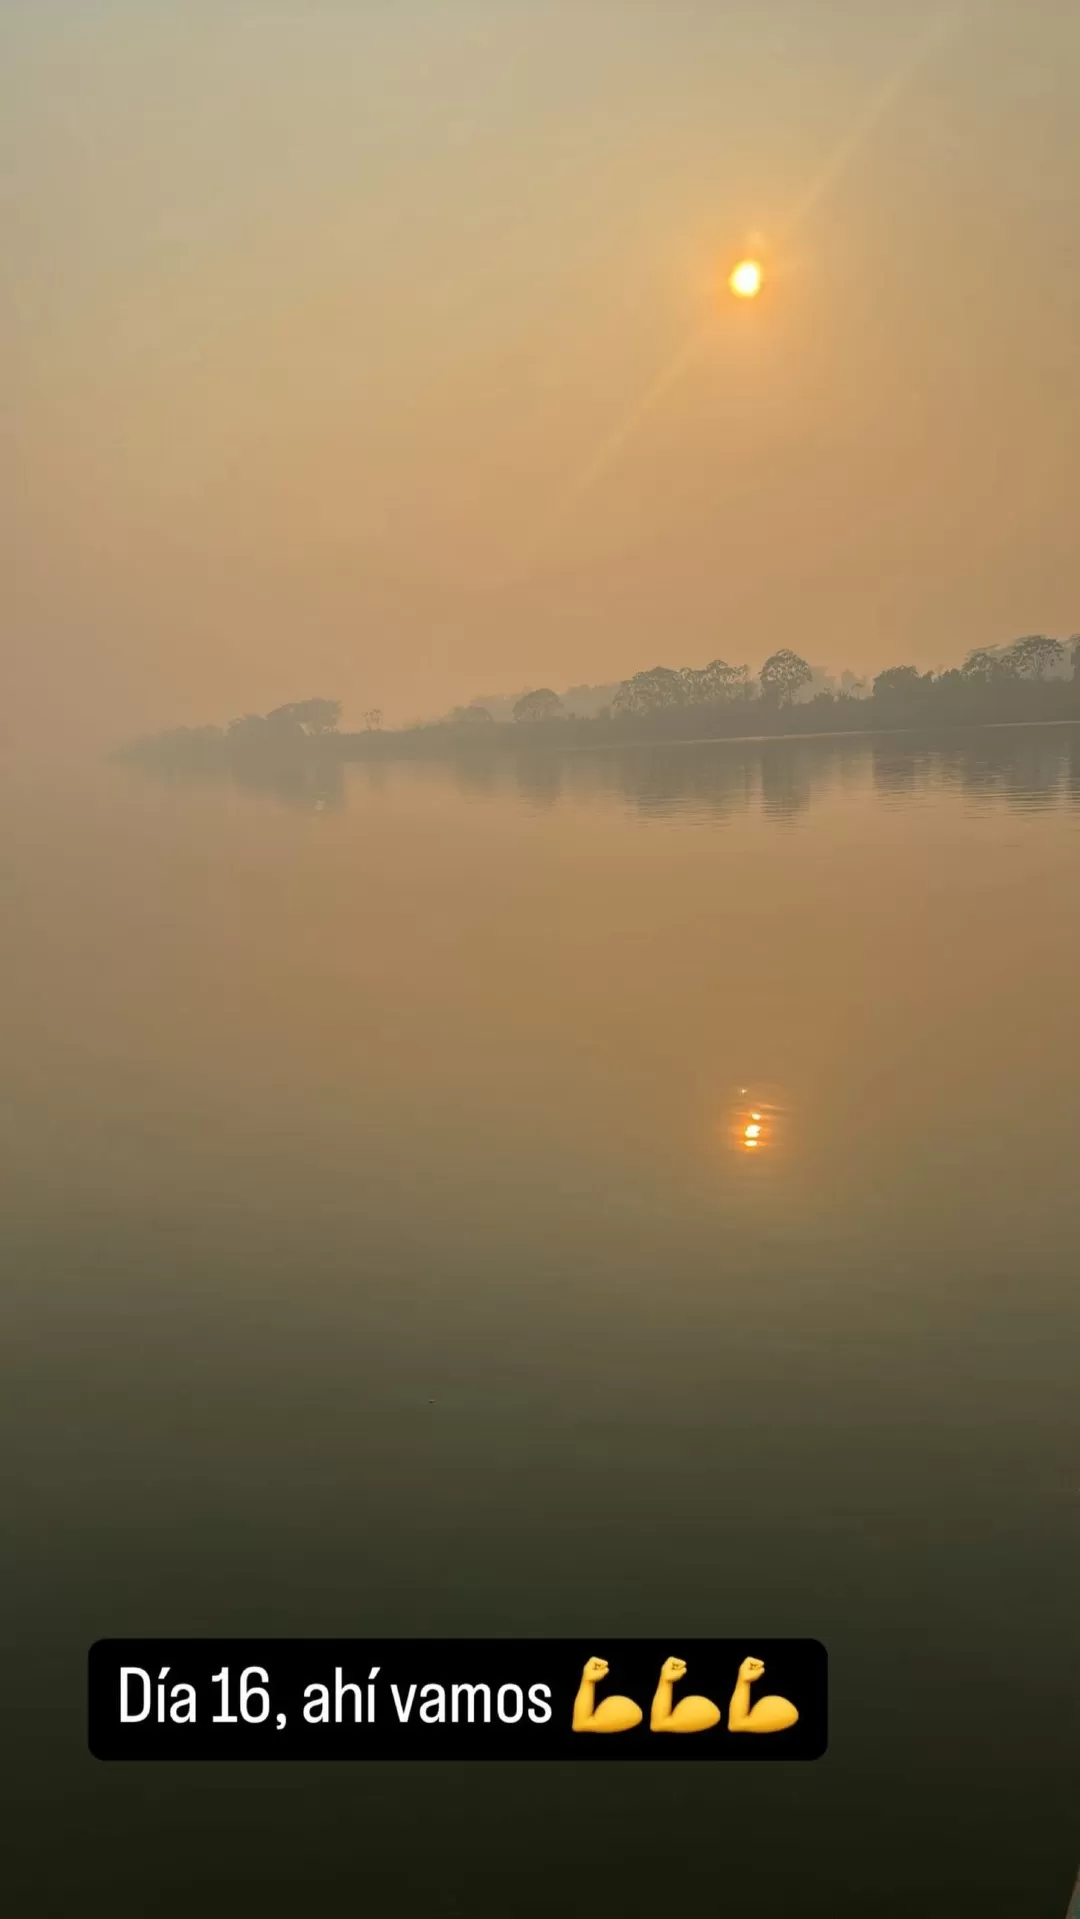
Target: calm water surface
<point>384,1254</point>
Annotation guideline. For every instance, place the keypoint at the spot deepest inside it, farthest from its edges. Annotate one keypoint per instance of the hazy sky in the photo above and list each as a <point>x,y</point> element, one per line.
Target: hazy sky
<point>318,316</point>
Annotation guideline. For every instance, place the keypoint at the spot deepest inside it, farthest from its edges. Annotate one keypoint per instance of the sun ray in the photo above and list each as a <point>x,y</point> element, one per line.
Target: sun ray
<point>608,451</point>
<point>636,416</point>
<point>866,122</point>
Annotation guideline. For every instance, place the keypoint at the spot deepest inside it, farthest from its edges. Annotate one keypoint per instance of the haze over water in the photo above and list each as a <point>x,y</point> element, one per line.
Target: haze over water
<point>383,1258</point>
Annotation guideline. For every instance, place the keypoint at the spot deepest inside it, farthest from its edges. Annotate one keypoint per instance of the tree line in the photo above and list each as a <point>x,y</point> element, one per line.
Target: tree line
<point>1036,678</point>
<point>988,677</point>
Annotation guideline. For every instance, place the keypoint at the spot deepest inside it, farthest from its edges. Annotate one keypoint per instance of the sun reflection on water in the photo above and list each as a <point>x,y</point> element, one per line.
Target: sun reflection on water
<point>752,1128</point>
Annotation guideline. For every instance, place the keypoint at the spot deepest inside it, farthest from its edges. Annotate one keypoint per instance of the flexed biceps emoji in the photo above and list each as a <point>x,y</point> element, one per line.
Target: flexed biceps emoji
<point>613,1714</point>
<point>770,1714</point>
<point>692,1714</point>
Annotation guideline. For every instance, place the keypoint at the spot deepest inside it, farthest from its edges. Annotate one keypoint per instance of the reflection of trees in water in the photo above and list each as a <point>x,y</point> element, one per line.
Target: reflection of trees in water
<point>655,782</point>
<point>660,780</point>
<point>1027,768</point>
<point>539,777</point>
<point>782,776</point>
<point>791,778</point>
<point>660,783</point>
<point>478,773</point>
<point>375,773</point>
<point>897,771</point>
<point>308,784</point>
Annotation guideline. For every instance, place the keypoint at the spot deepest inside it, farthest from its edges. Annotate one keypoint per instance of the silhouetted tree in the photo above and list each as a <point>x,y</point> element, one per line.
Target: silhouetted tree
<point>652,692</point>
<point>470,716</point>
<point>903,693</point>
<point>542,704</point>
<point>714,683</point>
<point>1033,657</point>
<point>897,682</point>
<point>373,718</point>
<point>313,716</point>
<point>782,676</point>
<point>982,664</point>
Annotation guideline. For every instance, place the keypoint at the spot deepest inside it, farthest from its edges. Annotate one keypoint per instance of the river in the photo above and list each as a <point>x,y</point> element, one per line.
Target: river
<point>388,1252</point>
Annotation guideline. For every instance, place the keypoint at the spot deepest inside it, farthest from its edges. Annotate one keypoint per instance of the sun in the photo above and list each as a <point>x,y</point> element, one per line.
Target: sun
<point>746,279</point>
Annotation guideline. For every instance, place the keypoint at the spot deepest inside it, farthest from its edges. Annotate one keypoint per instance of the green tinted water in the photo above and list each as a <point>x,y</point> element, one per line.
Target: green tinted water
<point>384,1255</point>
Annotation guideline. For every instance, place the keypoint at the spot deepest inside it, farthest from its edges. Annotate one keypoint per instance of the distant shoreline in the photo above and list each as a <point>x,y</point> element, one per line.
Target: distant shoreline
<point>513,742</point>
<point>825,733</point>
<point>294,742</point>
<point>1035,681</point>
